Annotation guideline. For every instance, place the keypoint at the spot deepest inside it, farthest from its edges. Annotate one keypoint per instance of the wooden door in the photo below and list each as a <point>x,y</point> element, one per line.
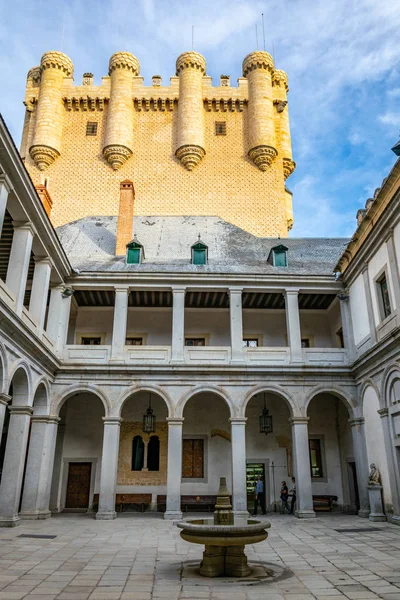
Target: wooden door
<point>78,485</point>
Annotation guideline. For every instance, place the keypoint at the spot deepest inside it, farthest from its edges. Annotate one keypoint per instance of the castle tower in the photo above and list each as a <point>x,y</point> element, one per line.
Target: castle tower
<point>258,67</point>
<point>46,147</point>
<point>190,68</point>
<point>118,147</point>
<point>280,89</point>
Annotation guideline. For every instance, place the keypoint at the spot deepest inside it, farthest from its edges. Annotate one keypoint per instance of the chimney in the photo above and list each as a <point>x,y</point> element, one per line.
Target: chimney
<point>45,198</point>
<point>125,216</point>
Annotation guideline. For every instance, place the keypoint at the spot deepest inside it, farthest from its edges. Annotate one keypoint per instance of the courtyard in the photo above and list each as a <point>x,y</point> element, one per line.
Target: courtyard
<point>141,557</point>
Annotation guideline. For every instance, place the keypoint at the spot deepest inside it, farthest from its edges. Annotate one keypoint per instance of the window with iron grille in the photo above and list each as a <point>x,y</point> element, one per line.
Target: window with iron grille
<point>220,128</point>
<point>91,128</point>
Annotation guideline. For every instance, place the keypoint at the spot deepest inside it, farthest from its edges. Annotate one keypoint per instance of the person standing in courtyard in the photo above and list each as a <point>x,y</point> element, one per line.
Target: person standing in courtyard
<point>293,491</point>
<point>259,498</point>
<point>284,498</point>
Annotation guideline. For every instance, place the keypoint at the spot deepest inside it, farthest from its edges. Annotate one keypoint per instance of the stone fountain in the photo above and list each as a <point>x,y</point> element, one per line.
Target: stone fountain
<point>224,538</point>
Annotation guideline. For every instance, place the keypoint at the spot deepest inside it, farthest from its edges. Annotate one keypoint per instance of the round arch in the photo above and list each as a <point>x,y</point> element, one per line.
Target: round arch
<point>154,389</point>
<point>61,399</point>
<point>347,400</point>
<point>369,383</point>
<point>3,369</point>
<point>390,376</point>
<point>202,389</point>
<point>21,379</point>
<point>270,389</point>
<point>41,397</point>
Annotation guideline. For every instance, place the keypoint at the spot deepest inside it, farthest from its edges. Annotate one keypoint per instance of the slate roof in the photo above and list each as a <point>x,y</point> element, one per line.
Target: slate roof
<point>90,246</point>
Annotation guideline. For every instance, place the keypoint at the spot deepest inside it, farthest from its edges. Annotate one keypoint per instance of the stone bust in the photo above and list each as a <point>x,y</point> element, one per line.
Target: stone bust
<point>374,476</point>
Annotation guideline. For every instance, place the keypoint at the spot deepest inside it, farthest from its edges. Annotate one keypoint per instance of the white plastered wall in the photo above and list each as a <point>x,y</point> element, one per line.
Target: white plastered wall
<point>270,325</point>
<point>359,311</point>
<point>378,262</point>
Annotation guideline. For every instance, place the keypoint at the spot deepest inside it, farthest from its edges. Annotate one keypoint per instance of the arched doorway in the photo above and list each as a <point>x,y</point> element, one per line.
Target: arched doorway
<point>268,455</point>
<point>143,452</point>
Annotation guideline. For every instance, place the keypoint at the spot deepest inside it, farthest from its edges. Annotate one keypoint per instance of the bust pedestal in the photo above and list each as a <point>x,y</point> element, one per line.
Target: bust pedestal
<point>375,502</point>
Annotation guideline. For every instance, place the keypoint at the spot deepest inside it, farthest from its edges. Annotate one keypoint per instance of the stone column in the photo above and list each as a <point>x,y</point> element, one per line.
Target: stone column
<point>394,268</point>
<point>293,324</point>
<point>13,466</point>
<point>120,322</point>
<point>39,468</point>
<point>5,189</point>
<point>55,481</point>
<point>178,324</point>
<point>368,298</point>
<point>302,470</point>
<point>40,289</point>
<point>236,324</point>
<point>347,327</point>
<point>4,400</point>
<point>58,318</point>
<point>394,474</point>
<point>109,468</point>
<point>360,454</point>
<point>239,489</point>
<point>17,272</point>
<point>174,475</point>
<point>145,454</point>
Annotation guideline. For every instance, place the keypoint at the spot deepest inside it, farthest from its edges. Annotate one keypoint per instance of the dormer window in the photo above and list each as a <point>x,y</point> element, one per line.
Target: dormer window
<point>199,253</point>
<point>278,256</point>
<point>134,252</point>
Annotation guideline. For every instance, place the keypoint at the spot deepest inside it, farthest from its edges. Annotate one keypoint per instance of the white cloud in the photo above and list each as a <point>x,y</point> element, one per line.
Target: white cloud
<point>390,118</point>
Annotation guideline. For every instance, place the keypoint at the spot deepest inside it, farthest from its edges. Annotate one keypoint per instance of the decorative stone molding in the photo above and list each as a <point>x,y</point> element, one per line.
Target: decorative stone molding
<point>356,421</point>
<point>21,410</point>
<point>288,167</point>
<point>280,78</point>
<point>258,60</point>
<point>190,156</point>
<point>87,79</point>
<point>34,75</point>
<point>299,420</point>
<point>57,60</point>
<point>124,60</point>
<point>116,155</point>
<point>190,60</point>
<point>263,156</point>
<point>4,398</point>
<point>44,156</point>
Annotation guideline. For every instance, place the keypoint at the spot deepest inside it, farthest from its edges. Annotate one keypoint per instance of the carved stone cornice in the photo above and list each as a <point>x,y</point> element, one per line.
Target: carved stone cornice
<point>34,74</point>
<point>280,79</point>
<point>117,155</point>
<point>288,167</point>
<point>124,60</point>
<point>44,156</point>
<point>257,60</point>
<point>57,60</point>
<point>263,156</point>
<point>190,156</point>
<point>190,60</point>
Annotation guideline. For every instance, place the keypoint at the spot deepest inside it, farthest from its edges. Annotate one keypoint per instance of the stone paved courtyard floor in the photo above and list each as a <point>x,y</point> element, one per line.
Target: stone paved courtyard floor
<point>140,557</point>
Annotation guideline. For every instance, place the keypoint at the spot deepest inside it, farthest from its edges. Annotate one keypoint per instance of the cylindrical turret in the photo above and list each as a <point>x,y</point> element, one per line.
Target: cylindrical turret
<point>118,147</point>
<point>258,68</point>
<point>190,68</point>
<point>284,142</point>
<point>46,145</point>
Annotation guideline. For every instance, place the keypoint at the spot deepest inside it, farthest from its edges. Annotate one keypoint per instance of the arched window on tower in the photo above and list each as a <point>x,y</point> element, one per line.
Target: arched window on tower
<point>153,457</point>
<point>137,453</point>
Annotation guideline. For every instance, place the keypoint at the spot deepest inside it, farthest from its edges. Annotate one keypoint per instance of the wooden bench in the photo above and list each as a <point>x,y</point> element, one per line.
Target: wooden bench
<point>188,502</point>
<point>324,502</point>
<point>142,500</point>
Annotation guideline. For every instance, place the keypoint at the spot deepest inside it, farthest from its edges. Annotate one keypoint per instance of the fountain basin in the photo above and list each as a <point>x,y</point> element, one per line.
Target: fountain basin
<point>224,544</point>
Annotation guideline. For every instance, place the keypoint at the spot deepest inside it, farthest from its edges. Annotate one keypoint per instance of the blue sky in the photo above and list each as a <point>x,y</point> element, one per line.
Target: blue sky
<point>341,57</point>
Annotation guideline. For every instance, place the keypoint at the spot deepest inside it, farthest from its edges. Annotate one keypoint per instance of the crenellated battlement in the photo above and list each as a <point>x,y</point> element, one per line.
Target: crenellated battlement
<point>181,134</point>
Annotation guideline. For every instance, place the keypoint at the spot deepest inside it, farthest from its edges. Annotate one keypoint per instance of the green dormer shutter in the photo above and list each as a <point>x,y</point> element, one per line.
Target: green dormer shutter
<point>133,257</point>
<point>199,253</point>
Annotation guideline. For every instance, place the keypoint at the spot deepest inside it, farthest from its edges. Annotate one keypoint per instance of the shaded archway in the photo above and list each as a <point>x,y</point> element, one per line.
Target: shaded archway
<point>331,453</point>
<point>268,455</point>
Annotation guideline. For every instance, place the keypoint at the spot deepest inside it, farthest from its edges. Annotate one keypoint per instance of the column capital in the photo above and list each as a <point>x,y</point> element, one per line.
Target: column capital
<point>291,291</point>
<point>178,289</point>
<point>21,410</point>
<point>6,182</point>
<point>383,412</point>
<point>343,296</point>
<point>235,290</point>
<point>121,288</point>
<point>24,226</point>
<point>299,420</point>
<point>112,420</point>
<point>356,421</point>
<point>238,420</point>
<point>43,260</point>
<point>4,398</point>
<point>389,235</point>
<point>175,420</point>
<point>50,419</point>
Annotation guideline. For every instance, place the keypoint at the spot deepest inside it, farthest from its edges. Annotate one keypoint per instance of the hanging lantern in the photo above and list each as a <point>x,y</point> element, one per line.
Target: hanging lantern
<point>265,420</point>
<point>149,420</point>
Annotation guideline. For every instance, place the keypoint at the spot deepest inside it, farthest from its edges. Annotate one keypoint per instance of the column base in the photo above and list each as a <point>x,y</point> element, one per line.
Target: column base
<point>305,514</point>
<point>35,514</point>
<point>236,562</point>
<point>363,513</point>
<point>173,515</point>
<point>242,514</point>
<point>395,519</point>
<point>108,515</point>
<point>377,517</point>
<point>213,563</point>
<point>9,522</point>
